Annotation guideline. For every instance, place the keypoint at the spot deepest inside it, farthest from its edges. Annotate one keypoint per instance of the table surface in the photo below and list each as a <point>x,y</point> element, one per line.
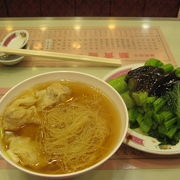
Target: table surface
<point>9,76</point>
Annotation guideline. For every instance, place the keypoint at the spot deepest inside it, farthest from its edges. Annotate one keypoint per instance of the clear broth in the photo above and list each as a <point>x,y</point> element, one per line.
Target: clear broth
<point>79,90</point>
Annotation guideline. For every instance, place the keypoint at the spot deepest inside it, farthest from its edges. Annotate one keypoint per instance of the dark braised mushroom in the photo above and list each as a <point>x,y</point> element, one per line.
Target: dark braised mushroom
<point>164,84</point>
<point>143,78</point>
<point>151,79</point>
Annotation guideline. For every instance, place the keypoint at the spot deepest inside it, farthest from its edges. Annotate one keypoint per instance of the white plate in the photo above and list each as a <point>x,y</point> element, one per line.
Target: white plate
<point>134,138</point>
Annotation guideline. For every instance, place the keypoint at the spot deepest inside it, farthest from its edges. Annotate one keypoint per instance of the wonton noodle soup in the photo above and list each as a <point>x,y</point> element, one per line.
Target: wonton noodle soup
<point>59,127</point>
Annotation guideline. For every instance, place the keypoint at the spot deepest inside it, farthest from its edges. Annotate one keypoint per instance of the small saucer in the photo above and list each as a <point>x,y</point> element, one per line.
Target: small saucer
<point>12,59</point>
<point>16,39</point>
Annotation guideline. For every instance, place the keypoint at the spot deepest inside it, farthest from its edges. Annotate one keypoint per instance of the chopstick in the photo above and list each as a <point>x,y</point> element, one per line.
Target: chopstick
<point>62,56</point>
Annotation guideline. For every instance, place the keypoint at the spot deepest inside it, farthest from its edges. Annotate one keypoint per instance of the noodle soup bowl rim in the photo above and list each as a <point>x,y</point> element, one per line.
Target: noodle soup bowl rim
<point>72,76</point>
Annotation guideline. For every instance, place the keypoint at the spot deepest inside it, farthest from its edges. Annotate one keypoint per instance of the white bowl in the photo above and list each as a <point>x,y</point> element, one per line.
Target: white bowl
<point>76,77</point>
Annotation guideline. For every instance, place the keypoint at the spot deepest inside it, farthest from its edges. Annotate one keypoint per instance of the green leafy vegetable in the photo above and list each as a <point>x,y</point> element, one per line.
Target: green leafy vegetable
<point>177,72</point>
<point>173,99</point>
<point>128,99</point>
<point>119,83</point>
<point>153,62</point>
<point>167,67</point>
<point>140,97</point>
<point>146,123</point>
<point>133,114</point>
<point>159,103</point>
<point>168,124</point>
<point>151,99</point>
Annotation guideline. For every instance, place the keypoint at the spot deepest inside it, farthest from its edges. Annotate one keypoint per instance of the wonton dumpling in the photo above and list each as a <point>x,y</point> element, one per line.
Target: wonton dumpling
<point>23,149</point>
<point>52,94</point>
<point>25,101</point>
<point>17,116</point>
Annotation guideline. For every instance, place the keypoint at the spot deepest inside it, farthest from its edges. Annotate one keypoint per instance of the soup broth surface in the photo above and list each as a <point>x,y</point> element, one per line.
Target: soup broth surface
<point>59,127</point>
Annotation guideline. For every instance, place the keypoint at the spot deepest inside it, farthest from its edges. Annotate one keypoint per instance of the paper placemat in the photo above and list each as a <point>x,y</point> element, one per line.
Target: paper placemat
<point>130,44</point>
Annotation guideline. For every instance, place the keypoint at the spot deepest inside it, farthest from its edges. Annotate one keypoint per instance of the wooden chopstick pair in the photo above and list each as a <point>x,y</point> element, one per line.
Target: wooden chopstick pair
<point>62,56</point>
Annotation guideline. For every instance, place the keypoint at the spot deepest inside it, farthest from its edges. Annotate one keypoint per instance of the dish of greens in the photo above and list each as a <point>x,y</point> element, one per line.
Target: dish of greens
<point>151,92</point>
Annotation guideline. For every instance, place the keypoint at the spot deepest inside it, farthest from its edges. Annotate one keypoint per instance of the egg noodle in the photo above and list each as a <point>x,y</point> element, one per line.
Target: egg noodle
<point>75,139</point>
